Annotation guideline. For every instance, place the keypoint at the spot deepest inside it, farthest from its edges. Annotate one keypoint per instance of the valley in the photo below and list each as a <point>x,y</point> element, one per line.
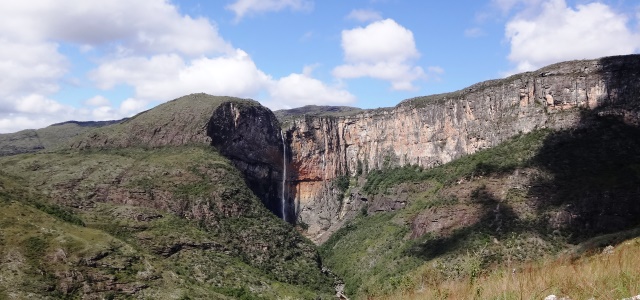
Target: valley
<point>474,194</point>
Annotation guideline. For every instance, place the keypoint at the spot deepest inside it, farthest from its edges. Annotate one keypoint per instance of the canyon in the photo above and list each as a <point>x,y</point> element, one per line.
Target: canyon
<point>293,162</point>
<point>190,180</point>
<point>433,130</point>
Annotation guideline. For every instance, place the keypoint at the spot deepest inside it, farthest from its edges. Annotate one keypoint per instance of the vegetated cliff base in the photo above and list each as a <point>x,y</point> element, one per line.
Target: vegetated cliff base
<point>433,130</point>
<point>474,227</point>
<point>152,208</point>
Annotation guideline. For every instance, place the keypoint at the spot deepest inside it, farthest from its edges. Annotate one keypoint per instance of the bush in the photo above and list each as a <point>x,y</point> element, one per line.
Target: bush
<point>59,213</point>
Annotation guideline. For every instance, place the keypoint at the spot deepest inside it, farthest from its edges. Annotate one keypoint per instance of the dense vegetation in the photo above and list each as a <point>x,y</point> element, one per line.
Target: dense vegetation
<point>173,222</point>
<point>509,207</point>
<point>130,216</point>
<point>504,158</point>
<point>285,115</point>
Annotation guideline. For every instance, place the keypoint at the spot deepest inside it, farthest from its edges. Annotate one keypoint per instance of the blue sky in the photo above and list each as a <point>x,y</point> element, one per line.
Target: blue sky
<point>98,60</point>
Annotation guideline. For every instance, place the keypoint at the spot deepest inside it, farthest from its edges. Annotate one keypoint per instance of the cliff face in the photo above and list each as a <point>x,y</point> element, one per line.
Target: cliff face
<point>434,130</point>
<point>250,137</point>
<point>242,130</point>
<point>161,193</point>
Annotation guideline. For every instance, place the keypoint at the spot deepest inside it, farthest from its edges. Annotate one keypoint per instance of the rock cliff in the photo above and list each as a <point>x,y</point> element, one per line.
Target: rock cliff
<point>250,137</point>
<point>433,130</point>
<point>240,129</point>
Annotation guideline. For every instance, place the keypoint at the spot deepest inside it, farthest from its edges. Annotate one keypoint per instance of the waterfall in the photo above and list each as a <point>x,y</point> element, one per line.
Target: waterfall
<point>284,177</point>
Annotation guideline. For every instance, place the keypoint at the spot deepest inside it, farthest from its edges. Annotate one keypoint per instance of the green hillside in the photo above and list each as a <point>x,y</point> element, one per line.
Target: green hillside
<point>534,197</point>
<point>164,223</point>
<point>50,137</point>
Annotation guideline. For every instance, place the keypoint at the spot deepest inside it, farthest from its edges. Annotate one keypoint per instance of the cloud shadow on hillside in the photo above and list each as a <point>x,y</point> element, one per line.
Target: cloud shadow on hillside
<point>594,182</point>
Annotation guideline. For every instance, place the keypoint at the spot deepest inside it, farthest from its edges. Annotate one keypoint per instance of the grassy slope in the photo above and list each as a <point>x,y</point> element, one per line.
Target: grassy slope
<point>611,274</point>
<point>515,189</point>
<point>313,110</point>
<point>51,137</point>
<point>184,212</point>
<point>188,114</point>
<point>178,122</point>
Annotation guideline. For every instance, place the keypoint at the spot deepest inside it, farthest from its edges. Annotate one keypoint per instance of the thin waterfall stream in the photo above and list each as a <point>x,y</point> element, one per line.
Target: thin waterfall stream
<point>284,177</point>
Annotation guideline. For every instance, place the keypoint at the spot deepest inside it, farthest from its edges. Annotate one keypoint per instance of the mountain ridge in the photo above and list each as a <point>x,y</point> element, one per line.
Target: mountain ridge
<point>491,169</point>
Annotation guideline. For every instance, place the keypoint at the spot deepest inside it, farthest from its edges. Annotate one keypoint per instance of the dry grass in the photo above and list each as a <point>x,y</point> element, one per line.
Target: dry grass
<point>609,275</point>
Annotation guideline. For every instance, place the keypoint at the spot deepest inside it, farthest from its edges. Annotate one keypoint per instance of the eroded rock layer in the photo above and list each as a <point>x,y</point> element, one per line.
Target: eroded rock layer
<point>433,130</point>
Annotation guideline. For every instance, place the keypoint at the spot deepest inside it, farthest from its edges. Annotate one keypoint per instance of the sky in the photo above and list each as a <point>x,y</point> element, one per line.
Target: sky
<point>84,60</point>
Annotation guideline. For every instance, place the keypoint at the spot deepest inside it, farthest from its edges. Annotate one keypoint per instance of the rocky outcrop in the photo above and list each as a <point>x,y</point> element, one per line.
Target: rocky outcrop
<point>249,135</point>
<point>240,129</point>
<point>433,130</point>
<point>182,121</point>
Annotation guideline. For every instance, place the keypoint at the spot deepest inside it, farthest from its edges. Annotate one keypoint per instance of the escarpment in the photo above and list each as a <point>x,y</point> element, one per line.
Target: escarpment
<point>249,135</point>
<point>176,190</point>
<point>433,130</point>
<point>242,130</point>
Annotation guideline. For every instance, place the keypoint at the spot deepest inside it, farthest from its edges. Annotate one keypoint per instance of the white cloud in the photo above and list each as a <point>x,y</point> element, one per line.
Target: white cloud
<point>243,8</point>
<point>147,45</point>
<point>127,108</point>
<point>32,111</point>
<point>168,77</point>
<point>29,68</point>
<point>132,105</point>
<point>38,104</point>
<point>382,50</point>
<point>382,40</point>
<point>301,89</point>
<point>434,72</point>
<point>17,122</point>
<point>36,111</point>
<point>98,101</point>
<point>364,15</point>
<point>163,77</point>
<point>141,26</point>
<point>39,107</point>
<point>31,32</point>
<point>559,33</point>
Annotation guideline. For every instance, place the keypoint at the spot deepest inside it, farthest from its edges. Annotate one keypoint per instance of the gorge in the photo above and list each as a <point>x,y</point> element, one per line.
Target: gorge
<point>183,200</point>
<point>433,130</point>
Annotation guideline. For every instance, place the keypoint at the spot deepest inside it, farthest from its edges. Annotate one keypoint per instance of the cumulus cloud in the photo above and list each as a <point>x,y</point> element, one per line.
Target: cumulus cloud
<point>147,45</point>
<point>38,104</point>
<point>97,101</point>
<point>29,67</point>
<point>170,76</point>
<point>302,89</point>
<point>141,26</point>
<point>558,33</point>
<point>37,111</point>
<point>16,122</point>
<point>30,38</point>
<point>364,15</point>
<point>243,8</point>
<point>382,50</point>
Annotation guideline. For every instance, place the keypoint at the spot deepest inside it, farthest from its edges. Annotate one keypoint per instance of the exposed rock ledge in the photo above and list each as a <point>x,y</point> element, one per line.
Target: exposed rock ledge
<point>433,130</point>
